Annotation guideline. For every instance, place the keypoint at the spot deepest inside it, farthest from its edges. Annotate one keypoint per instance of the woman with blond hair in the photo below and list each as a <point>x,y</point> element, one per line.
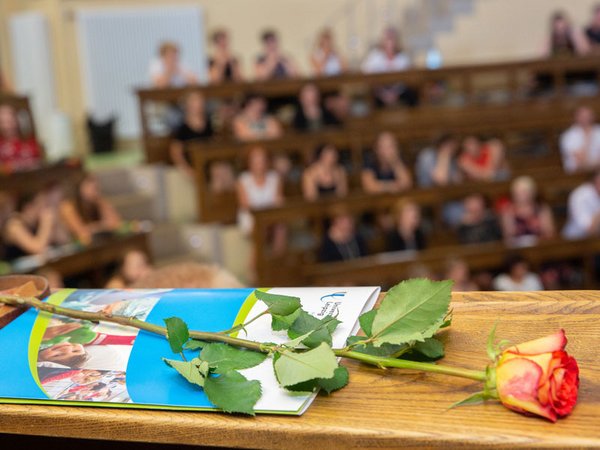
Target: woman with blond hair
<point>325,58</point>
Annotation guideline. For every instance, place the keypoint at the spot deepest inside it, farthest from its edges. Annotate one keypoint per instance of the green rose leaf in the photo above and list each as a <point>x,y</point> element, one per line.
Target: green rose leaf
<point>366,321</point>
<point>233,392</point>
<point>195,371</point>
<point>280,323</point>
<point>339,380</point>
<point>292,368</point>
<point>411,311</point>
<point>177,333</point>
<point>224,358</point>
<point>318,330</point>
<point>193,344</point>
<point>430,348</point>
<point>384,350</point>
<point>280,305</point>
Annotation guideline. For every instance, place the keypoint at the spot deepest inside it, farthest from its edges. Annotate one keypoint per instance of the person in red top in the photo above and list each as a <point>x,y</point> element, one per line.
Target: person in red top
<point>483,160</point>
<point>17,152</point>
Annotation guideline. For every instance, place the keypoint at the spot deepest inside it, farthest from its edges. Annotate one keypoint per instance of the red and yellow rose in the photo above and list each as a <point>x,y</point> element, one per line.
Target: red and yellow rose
<point>538,377</point>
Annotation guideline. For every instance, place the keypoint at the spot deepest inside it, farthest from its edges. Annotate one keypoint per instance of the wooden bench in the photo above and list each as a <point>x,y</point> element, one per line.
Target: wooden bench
<point>530,133</point>
<point>470,85</point>
<point>553,187</point>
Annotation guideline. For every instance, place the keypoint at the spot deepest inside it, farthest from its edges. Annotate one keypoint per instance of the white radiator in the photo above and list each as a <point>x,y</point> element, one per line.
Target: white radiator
<point>33,66</point>
<point>116,47</point>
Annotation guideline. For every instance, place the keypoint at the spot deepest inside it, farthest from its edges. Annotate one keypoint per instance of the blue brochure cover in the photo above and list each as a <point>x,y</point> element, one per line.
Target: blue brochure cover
<point>51,359</point>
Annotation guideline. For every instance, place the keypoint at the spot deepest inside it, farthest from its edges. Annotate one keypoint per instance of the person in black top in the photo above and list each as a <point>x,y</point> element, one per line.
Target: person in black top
<point>272,64</point>
<point>478,225</point>
<point>325,177</point>
<point>385,171</point>
<point>564,39</point>
<point>311,115</point>
<point>222,65</point>
<point>196,126</point>
<point>342,242</point>
<point>408,233</point>
<point>592,32</point>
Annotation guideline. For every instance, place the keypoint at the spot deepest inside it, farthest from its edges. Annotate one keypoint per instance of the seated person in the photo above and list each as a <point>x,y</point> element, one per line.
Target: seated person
<point>478,225</point>
<point>580,143</point>
<point>458,271</point>
<point>5,86</point>
<point>272,64</point>
<point>584,210</point>
<point>222,65</point>
<point>17,152</point>
<point>388,56</point>
<point>408,232</point>
<point>134,267</point>
<point>167,71</point>
<point>438,166</point>
<point>565,39</point>
<point>325,58</point>
<point>310,114</point>
<point>196,126</point>
<point>253,122</point>
<point>483,160</point>
<point>592,31</point>
<point>517,277</point>
<point>30,231</point>
<point>341,242</point>
<point>525,214</point>
<point>387,172</point>
<point>325,177</point>
<point>259,187</point>
<point>90,213</point>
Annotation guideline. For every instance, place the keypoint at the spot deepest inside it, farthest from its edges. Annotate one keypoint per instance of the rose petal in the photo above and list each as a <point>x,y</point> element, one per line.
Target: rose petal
<point>548,344</point>
<point>517,381</point>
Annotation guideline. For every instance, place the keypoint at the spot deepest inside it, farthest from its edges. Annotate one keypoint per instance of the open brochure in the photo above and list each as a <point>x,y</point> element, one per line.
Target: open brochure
<point>49,359</point>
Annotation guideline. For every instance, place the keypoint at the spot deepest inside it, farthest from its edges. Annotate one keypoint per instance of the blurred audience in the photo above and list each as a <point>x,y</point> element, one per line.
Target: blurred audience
<point>342,242</point>
<point>564,39</point>
<point>517,277</point>
<point>580,143</point>
<point>483,160</point>
<point>325,177</point>
<point>325,58</point>
<point>458,271</point>
<point>478,224</point>
<point>386,172</point>
<point>408,232</point>
<point>17,152</point>
<point>90,213</point>
<point>526,215</point>
<point>310,114</point>
<point>253,122</point>
<point>167,70</point>
<point>389,56</point>
<point>196,127</point>
<point>584,210</point>
<point>134,267</point>
<point>272,64</point>
<point>222,64</point>
<point>438,166</point>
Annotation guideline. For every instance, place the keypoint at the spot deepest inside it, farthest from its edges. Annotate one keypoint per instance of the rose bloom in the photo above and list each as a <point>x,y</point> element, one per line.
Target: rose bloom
<point>538,377</point>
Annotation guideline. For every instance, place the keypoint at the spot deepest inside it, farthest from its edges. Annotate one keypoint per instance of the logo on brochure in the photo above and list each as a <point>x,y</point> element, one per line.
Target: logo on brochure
<point>331,304</point>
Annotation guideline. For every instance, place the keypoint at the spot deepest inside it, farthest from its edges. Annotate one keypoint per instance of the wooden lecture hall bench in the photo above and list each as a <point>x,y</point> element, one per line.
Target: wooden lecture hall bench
<point>379,409</point>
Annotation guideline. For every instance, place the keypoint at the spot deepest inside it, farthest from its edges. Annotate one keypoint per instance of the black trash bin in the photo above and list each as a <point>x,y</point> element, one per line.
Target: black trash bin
<point>101,134</point>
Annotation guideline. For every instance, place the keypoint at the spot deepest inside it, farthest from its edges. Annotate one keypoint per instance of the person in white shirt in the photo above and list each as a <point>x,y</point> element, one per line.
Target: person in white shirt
<point>325,59</point>
<point>584,210</point>
<point>580,143</point>
<point>388,56</point>
<point>517,277</point>
<point>167,71</point>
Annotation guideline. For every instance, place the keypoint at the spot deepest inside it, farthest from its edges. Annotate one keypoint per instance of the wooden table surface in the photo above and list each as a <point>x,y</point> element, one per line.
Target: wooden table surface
<point>382,408</point>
